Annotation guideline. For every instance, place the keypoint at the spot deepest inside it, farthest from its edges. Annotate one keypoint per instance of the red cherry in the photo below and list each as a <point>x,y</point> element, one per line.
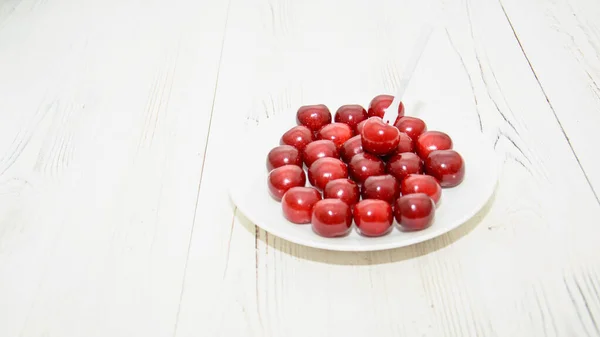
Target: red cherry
<point>412,126</point>
<point>380,103</point>
<point>298,202</point>
<point>283,155</point>
<point>405,144</point>
<point>319,149</point>
<point>432,140</point>
<point>326,169</point>
<point>313,117</point>
<point>414,211</point>
<point>383,187</point>
<point>403,164</point>
<point>446,166</point>
<point>364,165</point>
<point>331,218</point>
<point>344,189</point>
<point>378,137</point>
<point>298,136</point>
<point>338,133</point>
<point>373,217</point>
<point>351,147</point>
<point>360,126</point>
<point>351,114</point>
<point>420,183</point>
<point>283,178</point>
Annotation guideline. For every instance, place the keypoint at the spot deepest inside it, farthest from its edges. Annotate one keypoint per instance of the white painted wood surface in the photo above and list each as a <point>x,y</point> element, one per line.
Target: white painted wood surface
<point>118,124</point>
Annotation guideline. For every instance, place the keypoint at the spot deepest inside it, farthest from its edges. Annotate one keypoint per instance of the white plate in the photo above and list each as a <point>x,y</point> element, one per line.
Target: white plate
<point>250,192</point>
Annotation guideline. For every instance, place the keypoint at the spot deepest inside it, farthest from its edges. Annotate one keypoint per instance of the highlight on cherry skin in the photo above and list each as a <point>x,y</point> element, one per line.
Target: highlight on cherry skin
<point>338,133</point>
<point>373,217</point>
<point>430,141</point>
<point>331,218</point>
<point>344,189</point>
<point>297,204</point>
<point>326,169</point>
<point>281,179</point>
<point>283,155</point>
<point>314,117</point>
<point>319,149</point>
<point>446,166</point>
<point>351,114</point>
<point>299,136</point>
<point>421,183</point>
<point>379,138</point>
<point>414,212</point>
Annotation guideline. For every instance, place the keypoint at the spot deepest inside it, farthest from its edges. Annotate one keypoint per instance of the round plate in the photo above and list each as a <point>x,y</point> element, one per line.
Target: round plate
<point>457,205</point>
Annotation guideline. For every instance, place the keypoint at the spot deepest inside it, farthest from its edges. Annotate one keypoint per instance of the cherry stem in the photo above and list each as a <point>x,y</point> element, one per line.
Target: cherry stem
<point>392,111</point>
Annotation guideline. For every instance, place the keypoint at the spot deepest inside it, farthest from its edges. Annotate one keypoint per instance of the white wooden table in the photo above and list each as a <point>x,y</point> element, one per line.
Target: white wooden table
<point>118,119</point>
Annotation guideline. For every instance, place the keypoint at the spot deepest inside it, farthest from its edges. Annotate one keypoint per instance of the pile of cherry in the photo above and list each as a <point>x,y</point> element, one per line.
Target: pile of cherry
<point>398,170</point>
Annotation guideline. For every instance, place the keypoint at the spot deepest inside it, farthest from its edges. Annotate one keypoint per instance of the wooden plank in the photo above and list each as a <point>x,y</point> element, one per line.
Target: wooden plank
<point>105,113</point>
<point>510,271</point>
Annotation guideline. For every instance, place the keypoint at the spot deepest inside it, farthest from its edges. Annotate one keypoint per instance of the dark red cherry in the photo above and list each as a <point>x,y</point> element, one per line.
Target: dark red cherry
<point>344,189</point>
<point>359,127</point>
<point>412,126</point>
<point>364,165</point>
<point>380,103</point>
<point>299,136</point>
<point>283,155</point>
<point>338,133</point>
<point>351,147</point>
<point>420,183</point>
<point>351,114</point>
<point>446,166</point>
<point>298,202</point>
<point>405,145</point>
<point>283,178</point>
<point>432,140</point>
<point>384,187</point>
<point>326,169</point>
<point>378,137</point>
<point>331,218</point>
<point>414,211</point>
<point>373,217</point>
<point>403,164</point>
<point>319,149</point>
<point>313,117</point>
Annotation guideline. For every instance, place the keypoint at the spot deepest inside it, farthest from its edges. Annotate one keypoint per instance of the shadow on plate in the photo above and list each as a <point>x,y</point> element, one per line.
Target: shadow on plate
<point>368,258</point>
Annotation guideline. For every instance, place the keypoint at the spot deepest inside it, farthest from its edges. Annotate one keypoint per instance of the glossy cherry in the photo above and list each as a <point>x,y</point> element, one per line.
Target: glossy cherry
<point>380,103</point>
<point>384,187</point>
<point>432,140</point>
<point>373,217</point>
<point>299,136</point>
<point>446,166</point>
<point>360,126</point>
<point>421,183</point>
<point>414,211</point>
<point>351,114</point>
<point>313,117</point>
<point>297,204</point>
<point>331,218</point>
<point>338,133</point>
<point>350,148</point>
<point>319,149</point>
<point>364,165</point>
<point>405,145</point>
<point>283,178</point>
<point>344,189</point>
<point>283,155</point>
<point>326,169</point>
<point>403,164</point>
<point>379,138</point>
<point>412,126</point>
